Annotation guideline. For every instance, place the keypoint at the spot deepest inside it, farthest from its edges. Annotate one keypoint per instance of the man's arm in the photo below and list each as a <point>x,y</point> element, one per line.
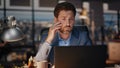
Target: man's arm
<point>43,52</point>
<point>45,48</point>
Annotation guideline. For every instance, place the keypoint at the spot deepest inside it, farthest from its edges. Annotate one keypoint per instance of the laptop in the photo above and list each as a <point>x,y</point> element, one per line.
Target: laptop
<point>80,56</point>
<point>114,51</point>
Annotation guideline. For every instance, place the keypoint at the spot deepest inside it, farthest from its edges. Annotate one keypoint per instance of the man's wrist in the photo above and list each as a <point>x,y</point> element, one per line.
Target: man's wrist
<point>46,42</point>
<point>49,42</point>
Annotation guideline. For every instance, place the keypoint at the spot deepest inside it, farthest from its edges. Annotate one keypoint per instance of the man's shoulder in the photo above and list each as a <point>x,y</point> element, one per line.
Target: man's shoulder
<point>80,30</point>
<point>43,37</point>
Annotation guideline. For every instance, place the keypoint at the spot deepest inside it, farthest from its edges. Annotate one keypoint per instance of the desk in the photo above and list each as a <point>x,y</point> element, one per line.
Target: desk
<point>112,62</point>
<point>109,67</point>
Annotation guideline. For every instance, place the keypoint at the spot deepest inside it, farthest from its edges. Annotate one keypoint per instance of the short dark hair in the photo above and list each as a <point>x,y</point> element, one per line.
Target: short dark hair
<point>64,6</point>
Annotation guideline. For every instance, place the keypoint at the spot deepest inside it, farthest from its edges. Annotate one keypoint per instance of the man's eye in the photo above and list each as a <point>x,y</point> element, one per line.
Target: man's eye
<point>71,19</point>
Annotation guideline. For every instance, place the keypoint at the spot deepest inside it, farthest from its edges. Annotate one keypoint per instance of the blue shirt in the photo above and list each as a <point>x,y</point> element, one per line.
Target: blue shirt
<point>63,42</point>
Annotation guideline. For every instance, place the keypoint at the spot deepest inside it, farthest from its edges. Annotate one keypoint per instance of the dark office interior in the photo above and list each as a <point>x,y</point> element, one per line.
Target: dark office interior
<point>33,18</point>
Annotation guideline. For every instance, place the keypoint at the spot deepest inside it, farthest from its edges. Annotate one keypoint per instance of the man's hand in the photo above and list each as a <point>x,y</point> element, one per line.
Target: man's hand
<point>53,66</point>
<point>52,32</point>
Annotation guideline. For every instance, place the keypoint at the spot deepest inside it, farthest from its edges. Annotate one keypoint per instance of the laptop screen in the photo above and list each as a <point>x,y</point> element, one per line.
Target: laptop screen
<point>80,56</point>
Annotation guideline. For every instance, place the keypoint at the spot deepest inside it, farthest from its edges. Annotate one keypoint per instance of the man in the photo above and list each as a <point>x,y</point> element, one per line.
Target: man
<point>62,33</point>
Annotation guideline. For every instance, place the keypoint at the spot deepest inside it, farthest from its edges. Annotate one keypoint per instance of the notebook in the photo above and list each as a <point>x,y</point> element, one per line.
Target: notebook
<point>79,56</point>
<point>114,51</point>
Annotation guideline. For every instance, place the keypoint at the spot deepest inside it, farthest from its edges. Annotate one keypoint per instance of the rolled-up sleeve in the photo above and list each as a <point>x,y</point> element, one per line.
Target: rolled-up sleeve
<point>43,52</point>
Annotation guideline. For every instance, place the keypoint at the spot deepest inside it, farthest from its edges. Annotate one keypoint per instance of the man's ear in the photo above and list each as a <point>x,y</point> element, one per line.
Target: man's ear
<point>55,20</point>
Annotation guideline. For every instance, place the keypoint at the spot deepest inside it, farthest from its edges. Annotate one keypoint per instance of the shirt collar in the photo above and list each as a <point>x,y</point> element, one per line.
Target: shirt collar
<point>63,39</point>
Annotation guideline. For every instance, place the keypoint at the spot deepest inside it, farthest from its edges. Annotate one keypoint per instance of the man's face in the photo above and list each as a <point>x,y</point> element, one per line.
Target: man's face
<point>67,20</point>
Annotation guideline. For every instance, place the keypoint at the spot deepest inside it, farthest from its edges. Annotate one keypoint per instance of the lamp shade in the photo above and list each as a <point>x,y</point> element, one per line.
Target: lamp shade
<point>12,35</point>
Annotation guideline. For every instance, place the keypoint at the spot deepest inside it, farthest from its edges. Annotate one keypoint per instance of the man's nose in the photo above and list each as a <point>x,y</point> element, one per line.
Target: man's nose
<point>67,23</point>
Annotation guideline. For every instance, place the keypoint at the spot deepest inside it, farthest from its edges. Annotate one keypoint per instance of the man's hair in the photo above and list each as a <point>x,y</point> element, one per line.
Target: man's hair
<point>64,6</point>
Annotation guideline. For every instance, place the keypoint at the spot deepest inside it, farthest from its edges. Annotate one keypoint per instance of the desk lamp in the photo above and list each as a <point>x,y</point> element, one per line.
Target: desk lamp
<point>13,33</point>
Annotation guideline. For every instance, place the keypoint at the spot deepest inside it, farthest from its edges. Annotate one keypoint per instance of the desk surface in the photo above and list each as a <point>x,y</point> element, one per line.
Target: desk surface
<point>109,67</point>
<point>112,62</point>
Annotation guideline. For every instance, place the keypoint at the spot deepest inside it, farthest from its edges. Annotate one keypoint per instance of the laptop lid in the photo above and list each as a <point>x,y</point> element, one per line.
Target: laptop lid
<point>79,56</point>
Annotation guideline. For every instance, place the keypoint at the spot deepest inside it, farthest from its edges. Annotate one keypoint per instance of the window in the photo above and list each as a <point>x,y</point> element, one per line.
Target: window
<point>77,3</point>
<point>20,2</point>
<point>1,14</point>
<point>114,5</point>
<point>110,25</point>
<point>47,3</point>
<point>0,2</point>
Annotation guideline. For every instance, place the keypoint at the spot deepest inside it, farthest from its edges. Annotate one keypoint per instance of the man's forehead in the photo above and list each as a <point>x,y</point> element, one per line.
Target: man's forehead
<point>66,14</point>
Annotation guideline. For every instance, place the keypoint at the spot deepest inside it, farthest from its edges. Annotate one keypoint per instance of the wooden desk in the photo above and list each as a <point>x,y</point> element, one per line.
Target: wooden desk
<point>112,62</point>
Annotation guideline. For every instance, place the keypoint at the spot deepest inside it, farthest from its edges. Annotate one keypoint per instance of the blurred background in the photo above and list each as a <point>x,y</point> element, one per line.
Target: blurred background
<point>102,17</point>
